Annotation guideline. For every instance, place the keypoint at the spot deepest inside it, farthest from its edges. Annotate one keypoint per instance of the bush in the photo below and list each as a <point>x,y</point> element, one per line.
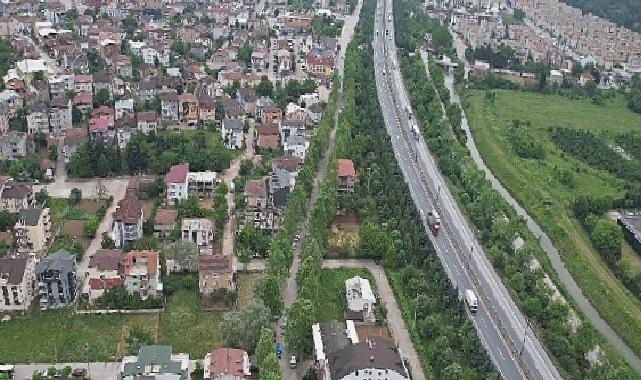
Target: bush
<point>91,226</point>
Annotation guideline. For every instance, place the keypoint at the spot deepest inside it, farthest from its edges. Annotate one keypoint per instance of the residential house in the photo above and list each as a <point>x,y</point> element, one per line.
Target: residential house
<point>13,146</point>
<point>266,137</point>
<point>188,109</point>
<point>288,128</point>
<point>103,80</point>
<point>165,222</point>
<point>255,194</point>
<point>247,99</point>
<point>155,363</point>
<point>17,278</point>
<point>201,184</point>
<point>176,184</point>
<point>169,106</point>
<point>360,299</point>
<point>341,355</point>
<point>56,276</point>
<point>199,231</point>
<point>60,115</point>
<point>317,64</point>
<point>215,272</point>
<point>346,176</point>
<point>232,133</point>
<point>83,84</point>
<point>38,119</point>
<point>283,178</point>
<point>4,118</point>
<point>99,129</point>
<point>33,229</point>
<point>83,102</point>
<point>146,122</point>
<point>123,66</point>
<point>206,109</point>
<point>128,220</point>
<point>271,115</point>
<point>296,145</point>
<point>59,85</point>
<point>103,273</point>
<point>15,196</point>
<point>123,107</point>
<point>226,364</point>
<point>141,273</point>
<point>147,89</point>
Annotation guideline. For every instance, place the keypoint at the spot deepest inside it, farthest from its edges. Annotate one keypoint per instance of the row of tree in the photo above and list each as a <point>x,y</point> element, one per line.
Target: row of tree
<point>498,227</point>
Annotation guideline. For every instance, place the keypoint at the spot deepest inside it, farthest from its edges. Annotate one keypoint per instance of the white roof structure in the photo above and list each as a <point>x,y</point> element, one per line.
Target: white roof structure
<point>318,342</point>
<point>29,66</point>
<point>358,290</point>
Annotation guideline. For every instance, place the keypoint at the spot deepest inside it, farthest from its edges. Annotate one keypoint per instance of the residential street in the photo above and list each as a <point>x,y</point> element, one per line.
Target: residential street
<point>289,292</point>
<point>228,176</point>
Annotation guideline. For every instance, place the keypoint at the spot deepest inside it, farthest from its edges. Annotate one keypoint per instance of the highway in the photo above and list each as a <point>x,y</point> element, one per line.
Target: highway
<point>502,328</point>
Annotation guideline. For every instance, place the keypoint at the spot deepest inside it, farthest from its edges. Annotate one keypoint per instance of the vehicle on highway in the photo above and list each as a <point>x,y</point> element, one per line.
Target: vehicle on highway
<point>434,221</point>
<point>471,300</point>
<point>389,18</point>
<point>7,370</point>
<point>292,362</point>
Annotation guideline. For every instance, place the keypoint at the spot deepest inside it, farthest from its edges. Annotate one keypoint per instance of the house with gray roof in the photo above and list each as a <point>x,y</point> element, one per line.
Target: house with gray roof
<point>232,133</point>
<point>56,276</point>
<point>16,283</point>
<point>155,363</point>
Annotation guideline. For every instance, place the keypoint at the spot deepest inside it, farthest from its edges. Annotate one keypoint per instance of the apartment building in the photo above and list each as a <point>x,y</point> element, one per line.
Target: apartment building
<point>56,276</point>
<point>17,279</point>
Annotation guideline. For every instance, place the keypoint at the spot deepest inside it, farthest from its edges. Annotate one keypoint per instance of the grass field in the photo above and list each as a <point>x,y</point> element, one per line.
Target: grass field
<point>537,185</point>
<point>60,336</point>
<point>331,303</point>
<point>246,282</point>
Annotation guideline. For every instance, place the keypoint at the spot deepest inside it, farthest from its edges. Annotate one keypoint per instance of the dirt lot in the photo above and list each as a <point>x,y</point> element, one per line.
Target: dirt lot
<point>245,283</point>
<point>372,330</point>
<point>344,235</point>
<point>90,205</point>
<point>147,206</point>
<point>75,228</point>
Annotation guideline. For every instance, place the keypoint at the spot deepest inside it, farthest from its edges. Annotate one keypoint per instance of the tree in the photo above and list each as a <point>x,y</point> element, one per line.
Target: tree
<point>246,167</point>
<point>102,97</point>
<point>300,318</point>
<point>75,196</point>
<point>42,196</point>
<point>270,369</point>
<point>607,238</point>
<point>374,242</point>
<point>245,53</point>
<point>7,220</point>
<point>269,293</point>
<point>242,329</point>
<point>265,346</point>
<point>76,116</point>
<point>107,242</point>
<point>91,226</point>
<point>53,153</point>
<point>184,253</point>
<point>244,256</point>
<point>265,87</point>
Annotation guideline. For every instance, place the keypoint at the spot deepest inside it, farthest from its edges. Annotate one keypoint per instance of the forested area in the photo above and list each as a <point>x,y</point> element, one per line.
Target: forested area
<point>595,151</point>
<point>153,153</point>
<point>622,12</point>
<point>631,143</point>
<point>498,226</point>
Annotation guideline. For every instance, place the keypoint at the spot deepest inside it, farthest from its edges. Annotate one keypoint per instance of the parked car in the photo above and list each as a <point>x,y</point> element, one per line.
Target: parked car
<point>292,362</point>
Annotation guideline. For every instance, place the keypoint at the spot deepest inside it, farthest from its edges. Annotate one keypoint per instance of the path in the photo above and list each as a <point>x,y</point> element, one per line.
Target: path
<point>546,244</point>
<point>290,289</point>
<point>228,176</point>
<point>395,322</point>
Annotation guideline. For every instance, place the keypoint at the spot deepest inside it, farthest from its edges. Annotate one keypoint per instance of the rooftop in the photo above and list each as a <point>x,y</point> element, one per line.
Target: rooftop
<point>12,270</point>
<point>177,174</point>
<point>346,168</point>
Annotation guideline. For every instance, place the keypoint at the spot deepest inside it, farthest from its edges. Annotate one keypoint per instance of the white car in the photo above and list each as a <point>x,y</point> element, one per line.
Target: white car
<point>292,362</point>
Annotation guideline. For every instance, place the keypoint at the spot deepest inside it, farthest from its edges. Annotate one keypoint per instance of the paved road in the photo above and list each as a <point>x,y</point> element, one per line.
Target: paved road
<point>395,322</point>
<point>290,289</point>
<point>553,254</point>
<point>502,328</point>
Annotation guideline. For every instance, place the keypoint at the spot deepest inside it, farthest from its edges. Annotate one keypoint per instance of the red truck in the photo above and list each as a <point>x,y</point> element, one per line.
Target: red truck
<point>435,222</point>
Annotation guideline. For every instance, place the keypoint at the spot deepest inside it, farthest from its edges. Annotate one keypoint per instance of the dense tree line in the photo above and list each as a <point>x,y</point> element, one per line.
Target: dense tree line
<point>622,12</point>
<point>498,226</point>
<point>118,298</point>
<point>153,153</point>
<point>523,142</point>
<point>634,96</point>
<point>595,151</point>
<point>631,143</point>
<point>411,24</point>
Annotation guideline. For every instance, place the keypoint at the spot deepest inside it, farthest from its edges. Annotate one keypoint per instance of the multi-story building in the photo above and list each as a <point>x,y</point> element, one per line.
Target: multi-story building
<point>176,185</point>
<point>60,115</point>
<point>33,229</point>
<point>146,122</point>
<point>128,220</point>
<point>141,273</point>
<point>16,283</point>
<point>188,109</point>
<point>38,119</point>
<point>14,196</point>
<point>215,272</point>
<point>103,273</point>
<point>232,133</point>
<point>13,146</point>
<point>346,176</point>
<point>155,363</point>
<point>199,231</point>
<point>56,276</point>
<point>202,184</point>
<point>226,364</point>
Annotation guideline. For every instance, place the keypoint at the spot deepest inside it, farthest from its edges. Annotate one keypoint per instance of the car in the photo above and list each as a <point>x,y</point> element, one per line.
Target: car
<point>292,362</point>
<point>79,372</point>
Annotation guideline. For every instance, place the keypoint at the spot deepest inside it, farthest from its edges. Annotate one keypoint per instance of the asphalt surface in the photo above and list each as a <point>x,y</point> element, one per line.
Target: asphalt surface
<point>504,331</point>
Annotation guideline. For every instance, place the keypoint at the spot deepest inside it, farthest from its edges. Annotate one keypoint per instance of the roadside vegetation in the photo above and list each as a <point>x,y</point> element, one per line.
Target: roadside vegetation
<point>524,270</point>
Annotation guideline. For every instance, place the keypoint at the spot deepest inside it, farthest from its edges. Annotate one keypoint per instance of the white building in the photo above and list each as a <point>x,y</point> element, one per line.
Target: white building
<point>202,184</point>
<point>176,184</point>
<point>360,299</point>
<point>199,231</point>
<point>17,279</point>
<point>232,133</point>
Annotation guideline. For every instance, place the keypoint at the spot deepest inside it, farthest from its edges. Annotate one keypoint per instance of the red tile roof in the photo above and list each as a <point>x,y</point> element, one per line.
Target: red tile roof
<point>166,217</point>
<point>129,211</point>
<point>107,283</point>
<point>132,257</point>
<point>177,173</point>
<point>346,168</point>
<point>227,361</point>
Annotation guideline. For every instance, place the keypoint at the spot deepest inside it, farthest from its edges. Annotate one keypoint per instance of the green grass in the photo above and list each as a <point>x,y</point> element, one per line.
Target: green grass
<point>51,336</point>
<point>331,303</point>
<point>57,208</point>
<point>245,284</point>
<point>75,213</point>
<point>533,181</point>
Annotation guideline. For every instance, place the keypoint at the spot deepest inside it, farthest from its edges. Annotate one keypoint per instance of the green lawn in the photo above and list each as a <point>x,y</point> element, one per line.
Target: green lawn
<point>60,336</point>
<point>331,303</point>
<point>534,181</point>
<point>245,284</point>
